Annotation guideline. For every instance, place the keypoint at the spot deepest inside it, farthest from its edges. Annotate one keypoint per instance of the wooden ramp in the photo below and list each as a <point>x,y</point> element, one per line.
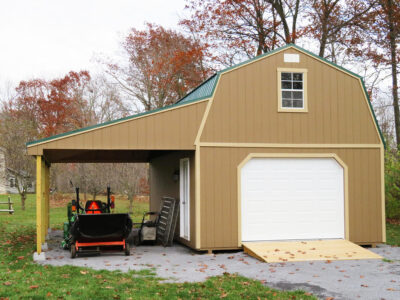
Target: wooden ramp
<point>307,250</point>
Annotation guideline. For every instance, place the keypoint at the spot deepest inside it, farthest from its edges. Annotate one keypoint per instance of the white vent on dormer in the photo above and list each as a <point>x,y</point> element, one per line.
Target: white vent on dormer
<point>291,58</point>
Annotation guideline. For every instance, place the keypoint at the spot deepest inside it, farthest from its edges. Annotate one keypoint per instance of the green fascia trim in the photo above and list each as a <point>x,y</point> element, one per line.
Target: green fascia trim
<point>373,113</point>
<point>258,57</point>
<point>113,121</point>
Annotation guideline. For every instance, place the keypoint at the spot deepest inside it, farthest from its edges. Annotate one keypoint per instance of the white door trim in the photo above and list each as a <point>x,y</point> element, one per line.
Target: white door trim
<point>184,185</point>
<point>295,155</point>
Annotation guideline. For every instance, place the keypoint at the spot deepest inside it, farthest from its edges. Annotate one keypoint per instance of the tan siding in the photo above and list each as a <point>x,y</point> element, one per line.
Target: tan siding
<point>219,200</point>
<point>161,184</point>
<point>173,129</point>
<point>245,107</point>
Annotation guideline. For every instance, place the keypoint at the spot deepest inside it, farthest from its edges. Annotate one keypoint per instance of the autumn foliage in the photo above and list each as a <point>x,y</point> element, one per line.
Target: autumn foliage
<point>162,66</point>
<point>52,106</point>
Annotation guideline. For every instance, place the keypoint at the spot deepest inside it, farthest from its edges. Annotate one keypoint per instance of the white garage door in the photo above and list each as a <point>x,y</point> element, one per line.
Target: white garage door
<point>292,198</point>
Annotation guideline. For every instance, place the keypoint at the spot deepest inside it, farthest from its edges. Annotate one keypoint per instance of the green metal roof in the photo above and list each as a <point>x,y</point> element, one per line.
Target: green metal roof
<point>203,91</point>
<point>207,89</point>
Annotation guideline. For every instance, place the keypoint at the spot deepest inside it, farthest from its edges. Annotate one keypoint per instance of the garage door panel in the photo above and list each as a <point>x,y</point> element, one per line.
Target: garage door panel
<point>292,198</point>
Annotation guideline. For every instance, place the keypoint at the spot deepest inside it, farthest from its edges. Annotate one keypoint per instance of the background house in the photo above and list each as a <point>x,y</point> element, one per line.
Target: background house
<point>8,177</point>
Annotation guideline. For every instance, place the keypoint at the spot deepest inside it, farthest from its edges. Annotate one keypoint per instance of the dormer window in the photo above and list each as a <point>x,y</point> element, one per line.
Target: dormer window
<point>292,84</point>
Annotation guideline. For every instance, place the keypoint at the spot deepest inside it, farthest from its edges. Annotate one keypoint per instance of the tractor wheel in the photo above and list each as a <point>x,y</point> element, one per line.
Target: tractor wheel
<point>127,249</point>
<point>73,251</point>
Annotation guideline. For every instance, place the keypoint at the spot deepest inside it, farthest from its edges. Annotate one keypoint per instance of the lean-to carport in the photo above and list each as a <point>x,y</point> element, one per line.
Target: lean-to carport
<point>163,136</point>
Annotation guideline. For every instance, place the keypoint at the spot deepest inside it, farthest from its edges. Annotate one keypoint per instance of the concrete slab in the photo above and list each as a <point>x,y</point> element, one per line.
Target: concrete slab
<point>350,279</point>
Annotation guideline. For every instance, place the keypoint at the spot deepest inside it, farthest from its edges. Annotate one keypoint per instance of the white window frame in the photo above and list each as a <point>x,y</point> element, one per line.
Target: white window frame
<point>281,108</point>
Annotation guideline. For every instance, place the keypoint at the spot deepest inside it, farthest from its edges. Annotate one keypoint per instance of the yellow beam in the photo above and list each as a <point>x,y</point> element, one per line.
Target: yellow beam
<point>43,200</point>
<point>47,196</point>
<point>39,237</point>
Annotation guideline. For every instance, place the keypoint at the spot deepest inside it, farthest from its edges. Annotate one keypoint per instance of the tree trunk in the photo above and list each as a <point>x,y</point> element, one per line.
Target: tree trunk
<point>130,198</point>
<point>23,199</point>
<point>392,42</point>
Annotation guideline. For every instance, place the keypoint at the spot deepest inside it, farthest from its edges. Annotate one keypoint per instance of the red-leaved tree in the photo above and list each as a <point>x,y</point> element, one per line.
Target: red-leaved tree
<point>52,106</point>
<point>162,66</point>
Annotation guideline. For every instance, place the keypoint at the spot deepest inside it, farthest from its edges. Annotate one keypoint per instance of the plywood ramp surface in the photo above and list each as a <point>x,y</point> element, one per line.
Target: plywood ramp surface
<point>307,250</point>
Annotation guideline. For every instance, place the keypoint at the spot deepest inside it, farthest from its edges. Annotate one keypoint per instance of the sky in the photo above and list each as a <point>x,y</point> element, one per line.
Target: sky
<point>48,38</point>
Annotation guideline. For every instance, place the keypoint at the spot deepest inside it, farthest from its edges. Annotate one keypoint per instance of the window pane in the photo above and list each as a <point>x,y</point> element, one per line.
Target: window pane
<point>298,95</point>
<point>286,76</point>
<point>297,103</point>
<point>297,85</point>
<point>286,95</point>
<point>286,85</point>
<point>286,103</point>
<point>298,76</point>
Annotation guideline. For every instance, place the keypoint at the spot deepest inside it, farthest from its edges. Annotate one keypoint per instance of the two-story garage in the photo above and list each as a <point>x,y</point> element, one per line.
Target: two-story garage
<point>285,146</point>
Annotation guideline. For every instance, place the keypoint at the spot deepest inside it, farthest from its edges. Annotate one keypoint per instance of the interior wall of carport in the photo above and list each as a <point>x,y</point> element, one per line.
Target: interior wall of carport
<point>42,201</point>
<point>162,169</point>
<point>219,192</point>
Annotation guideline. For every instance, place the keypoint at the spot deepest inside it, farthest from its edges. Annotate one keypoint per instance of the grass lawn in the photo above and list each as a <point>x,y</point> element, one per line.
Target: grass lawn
<point>20,277</point>
<point>393,234</point>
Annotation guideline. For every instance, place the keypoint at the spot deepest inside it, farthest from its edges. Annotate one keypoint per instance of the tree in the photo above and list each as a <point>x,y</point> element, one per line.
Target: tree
<point>52,106</point>
<point>243,28</point>
<point>288,12</point>
<point>381,47</point>
<point>130,180</point>
<point>14,133</point>
<point>333,22</point>
<point>162,65</point>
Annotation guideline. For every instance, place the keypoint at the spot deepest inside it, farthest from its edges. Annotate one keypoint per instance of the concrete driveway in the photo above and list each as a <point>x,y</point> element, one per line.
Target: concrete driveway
<point>352,279</point>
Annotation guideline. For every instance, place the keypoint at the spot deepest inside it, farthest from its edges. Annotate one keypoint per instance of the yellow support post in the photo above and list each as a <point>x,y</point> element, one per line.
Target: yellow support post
<point>47,193</point>
<point>39,209</point>
<point>43,200</point>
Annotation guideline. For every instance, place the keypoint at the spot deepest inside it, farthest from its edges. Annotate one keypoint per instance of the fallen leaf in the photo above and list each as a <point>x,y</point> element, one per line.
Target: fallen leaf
<point>223,295</point>
<point>7,283</point>
<point>84,272</point>
<point>33,287</point>
<point>49,294</point>
<point>20,257</point>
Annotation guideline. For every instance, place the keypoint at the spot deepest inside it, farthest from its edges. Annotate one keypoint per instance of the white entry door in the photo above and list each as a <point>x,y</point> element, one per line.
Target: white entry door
<point>184,179</point>
<point>292,198</point>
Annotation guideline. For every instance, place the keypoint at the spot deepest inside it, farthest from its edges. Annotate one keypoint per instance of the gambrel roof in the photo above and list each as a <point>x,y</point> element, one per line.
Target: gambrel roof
<point>206,91</point>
